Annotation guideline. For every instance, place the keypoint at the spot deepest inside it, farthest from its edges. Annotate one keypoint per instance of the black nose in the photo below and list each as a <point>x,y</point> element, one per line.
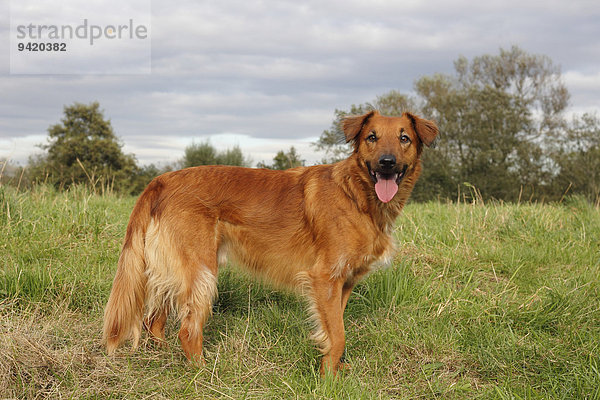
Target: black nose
<point>387,161</point>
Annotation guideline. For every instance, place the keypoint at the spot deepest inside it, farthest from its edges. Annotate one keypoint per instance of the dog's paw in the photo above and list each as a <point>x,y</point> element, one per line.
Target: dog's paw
<point>344,366</point>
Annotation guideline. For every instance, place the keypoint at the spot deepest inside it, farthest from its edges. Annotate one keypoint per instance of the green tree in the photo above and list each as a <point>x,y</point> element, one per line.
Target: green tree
<point>577,157</point>
<point>233,156</point>
<point>199,154</point>
<point>284,160</point>
<point>206,154</point>
<point>495,115</point>
<point>83,148</point>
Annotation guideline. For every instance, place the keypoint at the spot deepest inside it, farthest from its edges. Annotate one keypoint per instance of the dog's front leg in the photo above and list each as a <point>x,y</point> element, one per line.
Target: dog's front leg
<point>327,295</point>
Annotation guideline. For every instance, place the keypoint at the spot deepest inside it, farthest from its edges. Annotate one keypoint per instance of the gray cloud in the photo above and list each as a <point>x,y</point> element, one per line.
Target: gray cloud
<point>271,73</point>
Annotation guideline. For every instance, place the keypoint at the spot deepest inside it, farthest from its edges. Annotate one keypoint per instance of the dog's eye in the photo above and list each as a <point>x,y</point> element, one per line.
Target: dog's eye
<point>404,139</point>
<point>372,138</point>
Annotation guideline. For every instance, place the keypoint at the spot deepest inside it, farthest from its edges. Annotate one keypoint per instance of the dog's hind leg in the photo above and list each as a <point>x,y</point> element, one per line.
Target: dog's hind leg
<point>199,249</point>
<point>195,308</point>
<point>155,324</point>
<point>182,276</point>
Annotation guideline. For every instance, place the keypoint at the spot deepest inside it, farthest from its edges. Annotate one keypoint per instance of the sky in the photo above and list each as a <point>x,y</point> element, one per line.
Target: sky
<point>267,75</point>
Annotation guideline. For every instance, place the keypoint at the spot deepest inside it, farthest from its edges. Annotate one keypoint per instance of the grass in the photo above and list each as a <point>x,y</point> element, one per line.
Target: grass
<point>484,301</point>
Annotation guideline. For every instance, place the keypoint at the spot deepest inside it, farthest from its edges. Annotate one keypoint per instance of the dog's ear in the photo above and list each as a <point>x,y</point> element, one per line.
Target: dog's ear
<point>426,130</point>
<point>352,125</point>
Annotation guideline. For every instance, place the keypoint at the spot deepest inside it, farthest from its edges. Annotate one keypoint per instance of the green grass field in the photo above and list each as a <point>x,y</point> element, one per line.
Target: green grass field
<point>487,301</point>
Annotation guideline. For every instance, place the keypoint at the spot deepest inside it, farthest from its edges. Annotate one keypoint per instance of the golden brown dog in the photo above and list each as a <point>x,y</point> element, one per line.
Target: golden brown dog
<point>319,229</point>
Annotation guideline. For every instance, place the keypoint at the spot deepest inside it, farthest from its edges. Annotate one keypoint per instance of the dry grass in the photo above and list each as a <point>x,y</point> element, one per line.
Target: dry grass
<point>47,356</point>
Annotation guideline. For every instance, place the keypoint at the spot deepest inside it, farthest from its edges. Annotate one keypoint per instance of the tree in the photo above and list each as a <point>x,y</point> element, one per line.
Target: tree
<point>577,157</point>
<point>206,154</point>
<point>83,148</point>
<point>233,156</point>
<point>495,116</point>
<point>283,160</point>
<point>199,154</point>
<point>532,79</point>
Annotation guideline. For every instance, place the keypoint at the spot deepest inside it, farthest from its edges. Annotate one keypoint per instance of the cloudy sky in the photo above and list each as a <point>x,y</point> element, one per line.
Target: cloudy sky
<point>266,75</point>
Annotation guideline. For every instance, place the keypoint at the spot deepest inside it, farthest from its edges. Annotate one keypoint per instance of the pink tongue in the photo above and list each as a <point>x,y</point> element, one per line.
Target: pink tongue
<point>386,189</point>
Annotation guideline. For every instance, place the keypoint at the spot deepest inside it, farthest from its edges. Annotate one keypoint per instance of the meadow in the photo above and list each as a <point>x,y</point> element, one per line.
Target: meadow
<point>482,301</point>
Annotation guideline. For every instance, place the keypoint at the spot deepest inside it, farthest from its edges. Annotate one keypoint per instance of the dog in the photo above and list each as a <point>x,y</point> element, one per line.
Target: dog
<point>317,229</point>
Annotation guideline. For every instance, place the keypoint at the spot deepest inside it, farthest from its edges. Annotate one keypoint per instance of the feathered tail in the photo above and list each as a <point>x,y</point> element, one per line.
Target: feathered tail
<point>125,308</point>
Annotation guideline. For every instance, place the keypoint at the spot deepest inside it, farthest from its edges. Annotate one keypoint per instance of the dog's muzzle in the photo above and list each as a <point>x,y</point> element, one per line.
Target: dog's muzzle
<point>387,176</point>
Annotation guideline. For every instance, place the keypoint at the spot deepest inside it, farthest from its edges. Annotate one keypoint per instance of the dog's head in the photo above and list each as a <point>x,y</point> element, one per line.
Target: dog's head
<point>388,147</point>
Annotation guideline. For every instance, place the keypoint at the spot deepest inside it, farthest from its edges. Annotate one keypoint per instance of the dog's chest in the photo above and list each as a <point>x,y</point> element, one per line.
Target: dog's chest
<point>351,265</point>
<point>382,250</point>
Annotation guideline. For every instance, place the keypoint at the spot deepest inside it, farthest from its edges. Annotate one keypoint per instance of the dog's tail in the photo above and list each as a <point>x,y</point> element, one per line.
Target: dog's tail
<point>125,308</point>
